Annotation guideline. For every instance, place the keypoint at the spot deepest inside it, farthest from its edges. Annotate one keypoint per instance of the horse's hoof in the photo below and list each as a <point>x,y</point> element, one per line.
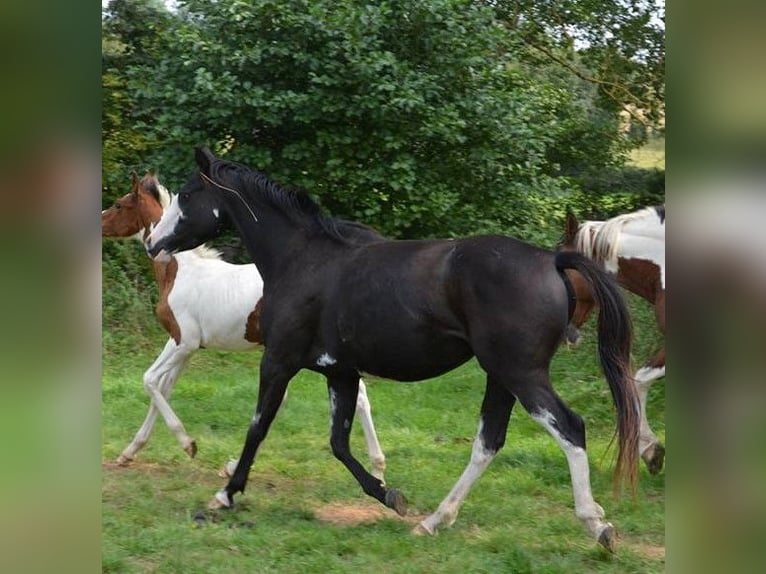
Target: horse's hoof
<point>396,500</point>
<point>220,500</point>
<point>191,450</point>
<point>199,518</point>
<point>123,460</point>
<point>608,538</point>
<point>656,459</point>
<point>421,530</point>
<point>228,469</point>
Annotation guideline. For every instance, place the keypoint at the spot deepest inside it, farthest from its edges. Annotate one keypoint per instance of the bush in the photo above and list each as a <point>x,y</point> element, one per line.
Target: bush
<point>129,292</point>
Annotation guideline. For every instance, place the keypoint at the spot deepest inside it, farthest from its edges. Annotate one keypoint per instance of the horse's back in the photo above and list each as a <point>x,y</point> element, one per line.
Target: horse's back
<point>426,305</point>
<point>215,298</point>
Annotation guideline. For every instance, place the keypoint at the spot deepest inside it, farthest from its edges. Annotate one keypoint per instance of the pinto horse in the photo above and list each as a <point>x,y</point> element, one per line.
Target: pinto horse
<point>407,311</point>
<point>204,302</point>
<point>632,248</point>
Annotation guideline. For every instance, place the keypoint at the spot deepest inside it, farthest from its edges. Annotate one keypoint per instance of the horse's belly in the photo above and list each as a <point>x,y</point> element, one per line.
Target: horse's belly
<point>406,360</point>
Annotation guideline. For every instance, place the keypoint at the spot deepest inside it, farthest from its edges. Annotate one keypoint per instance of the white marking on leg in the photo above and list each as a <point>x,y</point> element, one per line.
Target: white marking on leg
<point>325,360</point>
<point>644,378</point>
<point>587,509</point>
<point>333,406</point>
<point>447,511</point>
<point>220,500</point>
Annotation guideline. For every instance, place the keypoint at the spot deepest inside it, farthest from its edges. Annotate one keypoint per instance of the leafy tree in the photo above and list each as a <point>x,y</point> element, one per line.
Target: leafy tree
<point>444,117</point>
<point>617,46</point>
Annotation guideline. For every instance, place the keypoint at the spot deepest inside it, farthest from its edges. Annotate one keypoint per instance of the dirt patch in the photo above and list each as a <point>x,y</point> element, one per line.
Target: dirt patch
<point>652,551</point>
<point>353,514</point>
<point>132,465</point>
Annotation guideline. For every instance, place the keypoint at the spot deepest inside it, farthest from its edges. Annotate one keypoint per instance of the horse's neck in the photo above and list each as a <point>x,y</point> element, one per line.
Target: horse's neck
<point>268,238</point>
<point>149,219</point>
<point>164,275</point>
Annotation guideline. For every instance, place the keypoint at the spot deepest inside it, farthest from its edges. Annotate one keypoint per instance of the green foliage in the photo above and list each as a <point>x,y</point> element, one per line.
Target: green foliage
<point>615,46</point>
<point>129,293</point>
<point>419,118</point>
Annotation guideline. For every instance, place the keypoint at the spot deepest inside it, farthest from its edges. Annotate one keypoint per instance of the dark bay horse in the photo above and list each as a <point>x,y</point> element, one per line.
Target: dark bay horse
<point>632,248</point>
<point>407,311</point>
<point>204,302</point>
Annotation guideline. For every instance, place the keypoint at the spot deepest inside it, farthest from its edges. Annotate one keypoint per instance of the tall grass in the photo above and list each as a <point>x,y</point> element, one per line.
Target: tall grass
<point>303,512</point>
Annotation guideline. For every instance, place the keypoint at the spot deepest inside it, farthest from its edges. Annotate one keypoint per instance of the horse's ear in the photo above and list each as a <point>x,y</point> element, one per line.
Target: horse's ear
<point>204,158</point>
<point>133,181</point>
<point>571,226</point>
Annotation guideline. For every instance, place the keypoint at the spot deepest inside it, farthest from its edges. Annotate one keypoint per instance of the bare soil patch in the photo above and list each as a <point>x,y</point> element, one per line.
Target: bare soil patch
<point>353,514</point>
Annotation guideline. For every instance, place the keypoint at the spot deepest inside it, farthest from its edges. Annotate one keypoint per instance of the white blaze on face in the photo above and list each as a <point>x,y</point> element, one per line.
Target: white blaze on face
<point>167,224</point>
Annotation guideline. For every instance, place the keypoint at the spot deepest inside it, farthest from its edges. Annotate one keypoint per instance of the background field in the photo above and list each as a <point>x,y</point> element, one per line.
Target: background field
<point>303,511</point>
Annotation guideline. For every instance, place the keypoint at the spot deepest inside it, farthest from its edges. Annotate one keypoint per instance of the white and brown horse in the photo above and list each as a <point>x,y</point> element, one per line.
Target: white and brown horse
<point>205,302</point>
<point>632,248</point>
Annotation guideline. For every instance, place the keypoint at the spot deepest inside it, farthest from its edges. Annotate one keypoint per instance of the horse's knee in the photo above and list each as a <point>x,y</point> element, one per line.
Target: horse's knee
<point>150,383</point>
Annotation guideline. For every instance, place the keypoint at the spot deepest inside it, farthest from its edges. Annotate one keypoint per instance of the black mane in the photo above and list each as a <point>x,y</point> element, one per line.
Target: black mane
<point>294,203</point>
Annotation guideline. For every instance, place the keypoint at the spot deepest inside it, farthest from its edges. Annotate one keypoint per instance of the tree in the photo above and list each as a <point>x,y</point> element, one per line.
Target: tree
<point>618,46</point>
<point>420,118</point>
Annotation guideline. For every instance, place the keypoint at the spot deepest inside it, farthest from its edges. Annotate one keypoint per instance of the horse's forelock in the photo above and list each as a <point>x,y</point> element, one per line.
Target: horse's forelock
<point>152,185</point>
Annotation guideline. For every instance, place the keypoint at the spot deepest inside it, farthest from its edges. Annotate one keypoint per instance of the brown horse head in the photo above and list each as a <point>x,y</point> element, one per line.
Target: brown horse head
<point>135,212</point>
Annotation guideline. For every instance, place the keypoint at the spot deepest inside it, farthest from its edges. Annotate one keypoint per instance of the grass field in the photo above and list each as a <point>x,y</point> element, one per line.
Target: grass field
<point>303,512</point>
<point>651,155</point>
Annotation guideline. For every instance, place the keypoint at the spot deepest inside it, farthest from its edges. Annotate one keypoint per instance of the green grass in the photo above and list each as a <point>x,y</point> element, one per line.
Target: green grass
<point>519,517</point>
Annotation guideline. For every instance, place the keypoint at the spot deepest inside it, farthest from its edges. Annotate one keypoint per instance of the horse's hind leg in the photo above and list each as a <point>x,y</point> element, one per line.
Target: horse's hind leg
<point>650,447</point>
<point>344,391</point>
<point>493,425</point>
<point>159,380</point>
<point>568,429</point>
<point>363,411</point>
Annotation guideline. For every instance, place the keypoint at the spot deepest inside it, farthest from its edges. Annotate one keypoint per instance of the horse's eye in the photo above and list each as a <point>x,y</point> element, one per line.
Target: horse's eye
<point>117,206</point>
<point>183,196</point>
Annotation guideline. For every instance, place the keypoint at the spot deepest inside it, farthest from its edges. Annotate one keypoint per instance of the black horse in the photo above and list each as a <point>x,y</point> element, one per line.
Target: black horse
<point>340,300</point>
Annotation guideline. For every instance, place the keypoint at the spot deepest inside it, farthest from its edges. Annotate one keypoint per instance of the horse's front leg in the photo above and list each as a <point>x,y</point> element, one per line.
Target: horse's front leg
<point>343,388</point>
<point>271,392</point>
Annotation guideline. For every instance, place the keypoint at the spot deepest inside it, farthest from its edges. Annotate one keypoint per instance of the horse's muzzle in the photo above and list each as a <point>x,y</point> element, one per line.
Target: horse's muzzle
<point>156,251</point>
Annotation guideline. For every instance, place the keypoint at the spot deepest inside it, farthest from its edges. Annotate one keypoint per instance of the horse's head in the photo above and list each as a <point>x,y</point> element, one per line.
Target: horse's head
<point>194,216</point>
<point>134,212</point>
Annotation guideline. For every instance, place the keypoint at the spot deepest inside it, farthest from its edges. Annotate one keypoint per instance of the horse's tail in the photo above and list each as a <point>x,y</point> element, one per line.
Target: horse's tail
<point>614,342</point>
